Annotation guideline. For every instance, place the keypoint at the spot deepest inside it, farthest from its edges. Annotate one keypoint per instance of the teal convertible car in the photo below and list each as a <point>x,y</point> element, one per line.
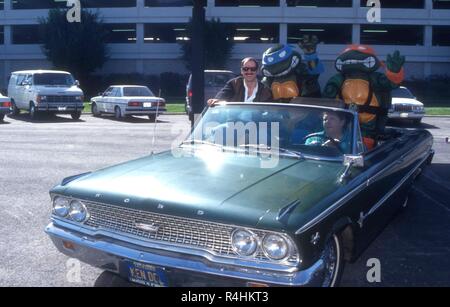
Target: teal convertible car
<point>260,194</point>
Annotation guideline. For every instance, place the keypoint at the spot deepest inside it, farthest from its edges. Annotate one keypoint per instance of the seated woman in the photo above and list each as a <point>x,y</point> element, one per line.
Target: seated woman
<point>334,134</point>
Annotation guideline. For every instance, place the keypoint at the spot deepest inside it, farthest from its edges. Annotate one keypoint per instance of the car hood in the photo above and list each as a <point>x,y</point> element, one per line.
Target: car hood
<point>406,101</point>
<point>223,187</point>
<point>59,90</point>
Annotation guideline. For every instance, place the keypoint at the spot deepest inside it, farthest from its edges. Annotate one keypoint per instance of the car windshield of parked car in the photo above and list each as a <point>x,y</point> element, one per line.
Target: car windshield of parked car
<point>402,93</point>
<point>137,92</point>
<point>300,129</point>
<point>54,79</point>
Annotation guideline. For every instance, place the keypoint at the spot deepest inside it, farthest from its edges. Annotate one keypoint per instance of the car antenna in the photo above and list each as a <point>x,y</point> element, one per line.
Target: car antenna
<point>154,125</point>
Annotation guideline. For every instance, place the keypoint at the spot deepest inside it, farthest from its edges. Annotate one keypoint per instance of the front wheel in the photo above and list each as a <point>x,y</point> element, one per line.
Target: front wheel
<point>95,111</point>
<point>33,112</point>
<point>117,113</point>
<point>332,257</point>
<point>75,115</point>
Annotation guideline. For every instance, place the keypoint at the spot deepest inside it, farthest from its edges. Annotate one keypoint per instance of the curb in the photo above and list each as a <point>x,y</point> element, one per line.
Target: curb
<point>167,113</point>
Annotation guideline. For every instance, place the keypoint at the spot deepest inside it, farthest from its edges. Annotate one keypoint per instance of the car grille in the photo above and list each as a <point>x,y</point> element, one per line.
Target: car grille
<point>212,237</point>
<point>64,99</point>
<point>402,108</point>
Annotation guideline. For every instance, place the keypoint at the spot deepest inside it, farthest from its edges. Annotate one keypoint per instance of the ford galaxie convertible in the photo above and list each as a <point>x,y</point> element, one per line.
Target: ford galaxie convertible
<point>259,194</point>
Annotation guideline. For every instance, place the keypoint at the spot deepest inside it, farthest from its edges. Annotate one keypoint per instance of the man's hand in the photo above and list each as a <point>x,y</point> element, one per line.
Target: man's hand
<point>213,101</point>
<point>395,62</point>
<point>308,43</point>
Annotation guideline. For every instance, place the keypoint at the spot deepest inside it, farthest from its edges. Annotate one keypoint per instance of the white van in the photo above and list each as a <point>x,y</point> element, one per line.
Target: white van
<point>45,91</point>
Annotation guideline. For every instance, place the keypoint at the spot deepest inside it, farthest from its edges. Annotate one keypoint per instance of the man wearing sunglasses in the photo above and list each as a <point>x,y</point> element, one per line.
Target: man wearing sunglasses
<point>245,88</point>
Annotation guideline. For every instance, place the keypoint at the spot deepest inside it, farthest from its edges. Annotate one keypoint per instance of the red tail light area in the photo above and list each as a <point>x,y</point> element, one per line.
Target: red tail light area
<point>135,104</point>
<point>159,104</point>
<point>6,104</point>
<point>190,94</point>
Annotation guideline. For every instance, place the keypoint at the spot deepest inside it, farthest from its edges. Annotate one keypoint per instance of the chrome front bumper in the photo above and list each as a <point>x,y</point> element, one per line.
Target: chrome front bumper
<point>182,270</point>
<point>405,115</point>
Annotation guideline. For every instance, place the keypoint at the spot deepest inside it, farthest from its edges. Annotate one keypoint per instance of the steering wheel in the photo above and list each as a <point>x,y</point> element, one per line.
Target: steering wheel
<point>327,139</point>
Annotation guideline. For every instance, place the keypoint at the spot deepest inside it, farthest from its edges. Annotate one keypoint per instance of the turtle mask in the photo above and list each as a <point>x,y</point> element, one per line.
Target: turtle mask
<point>357,58</point>
<point>279,61</point>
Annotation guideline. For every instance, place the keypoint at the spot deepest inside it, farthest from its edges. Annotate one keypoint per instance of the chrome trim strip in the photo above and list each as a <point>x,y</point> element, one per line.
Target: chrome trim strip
<point>350,195</point>
<point>392,191</point>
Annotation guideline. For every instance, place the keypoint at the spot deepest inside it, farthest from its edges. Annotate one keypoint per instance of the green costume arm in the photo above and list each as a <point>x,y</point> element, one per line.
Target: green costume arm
<point>333,87</point>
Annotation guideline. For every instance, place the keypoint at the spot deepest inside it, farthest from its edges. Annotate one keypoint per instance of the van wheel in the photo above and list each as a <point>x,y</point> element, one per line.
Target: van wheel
<point>95,111</point>
<point>75,115</point>
<point>33,112</point>
<point>117,113</point>
<point>15,110</point>
<point>332,257</point>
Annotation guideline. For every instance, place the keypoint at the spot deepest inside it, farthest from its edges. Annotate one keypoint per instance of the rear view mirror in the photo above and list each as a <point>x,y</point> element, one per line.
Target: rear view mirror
<point>77,83</point>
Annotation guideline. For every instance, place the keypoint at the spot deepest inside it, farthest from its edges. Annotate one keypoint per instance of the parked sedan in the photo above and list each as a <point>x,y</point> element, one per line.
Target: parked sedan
<point>405,106</point>
<point>5,106</point>
<point>128,100</point>
<point>259,194</point>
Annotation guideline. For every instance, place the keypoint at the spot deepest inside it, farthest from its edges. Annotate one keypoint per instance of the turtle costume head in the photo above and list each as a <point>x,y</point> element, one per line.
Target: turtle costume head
<point>357,58</point>
<point>280,60</point>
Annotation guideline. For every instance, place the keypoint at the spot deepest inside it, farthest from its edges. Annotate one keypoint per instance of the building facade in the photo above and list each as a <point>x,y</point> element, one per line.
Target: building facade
<point>145,34</point>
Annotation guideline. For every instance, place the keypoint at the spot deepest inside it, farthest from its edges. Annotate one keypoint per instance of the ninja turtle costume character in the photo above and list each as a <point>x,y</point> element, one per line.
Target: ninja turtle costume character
<point>287,75</point>
<point>361,87</point>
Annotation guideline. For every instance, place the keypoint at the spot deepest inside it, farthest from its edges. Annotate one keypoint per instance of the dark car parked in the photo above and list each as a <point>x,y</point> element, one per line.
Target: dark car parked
<point>259,194</point>
<point>215,80</point>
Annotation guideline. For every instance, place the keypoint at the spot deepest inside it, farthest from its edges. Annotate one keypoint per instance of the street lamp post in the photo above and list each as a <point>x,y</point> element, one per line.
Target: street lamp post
<point>198,55</point>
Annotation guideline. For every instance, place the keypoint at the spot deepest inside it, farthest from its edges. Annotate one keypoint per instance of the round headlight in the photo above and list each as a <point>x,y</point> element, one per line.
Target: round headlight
<point>244,242</point>
<point>275,247</point>
<point>78,211</point>
<point>61,206</point>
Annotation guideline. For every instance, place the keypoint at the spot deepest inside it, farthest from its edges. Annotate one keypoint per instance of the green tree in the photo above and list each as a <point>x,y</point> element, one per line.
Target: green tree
<point>218,44</point>
<point>78,47</point>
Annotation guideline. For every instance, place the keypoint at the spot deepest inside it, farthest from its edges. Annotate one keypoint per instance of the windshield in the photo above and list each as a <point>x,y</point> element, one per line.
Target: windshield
<point>402,93</point>
<point>54,79</point>
<point>137,91</point>
<point>299,129</point>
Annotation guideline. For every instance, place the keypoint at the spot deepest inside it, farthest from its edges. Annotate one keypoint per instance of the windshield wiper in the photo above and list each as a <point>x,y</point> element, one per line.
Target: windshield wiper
<point>201,142</point>
<point>289,152</point>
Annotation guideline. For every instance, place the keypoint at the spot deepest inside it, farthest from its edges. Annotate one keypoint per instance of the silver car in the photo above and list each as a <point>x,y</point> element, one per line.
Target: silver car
<point>128,100</point>
<point>406,106</point>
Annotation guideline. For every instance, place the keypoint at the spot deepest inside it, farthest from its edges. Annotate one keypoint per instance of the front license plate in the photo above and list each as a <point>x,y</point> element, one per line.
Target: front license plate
<point>62,108</point>
<point>147,104</point>
<point>146,274</point>
<point>404,115</point>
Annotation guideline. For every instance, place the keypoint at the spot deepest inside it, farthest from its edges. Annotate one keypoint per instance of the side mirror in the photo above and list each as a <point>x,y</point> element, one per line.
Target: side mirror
<point>25,83</point>
<point>349,162</point>
<point>355,161</point>
<point>101,94</point>
<point>77,83</point>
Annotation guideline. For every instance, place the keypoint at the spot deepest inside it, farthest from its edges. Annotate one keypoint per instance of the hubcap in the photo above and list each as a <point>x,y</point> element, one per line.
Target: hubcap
<point>330,259</point>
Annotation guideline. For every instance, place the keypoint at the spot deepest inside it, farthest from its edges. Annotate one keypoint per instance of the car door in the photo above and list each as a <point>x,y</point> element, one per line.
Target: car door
<point>103,105</point>
<point>112,99</point>
<point>20,91</point>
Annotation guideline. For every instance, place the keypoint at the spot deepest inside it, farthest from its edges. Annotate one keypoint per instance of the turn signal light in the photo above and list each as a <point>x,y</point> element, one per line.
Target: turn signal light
<point>69,245</point>
<point>6,104</point>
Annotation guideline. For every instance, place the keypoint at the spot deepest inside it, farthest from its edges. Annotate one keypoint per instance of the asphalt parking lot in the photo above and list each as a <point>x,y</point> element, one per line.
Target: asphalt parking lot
<point>34,156</point>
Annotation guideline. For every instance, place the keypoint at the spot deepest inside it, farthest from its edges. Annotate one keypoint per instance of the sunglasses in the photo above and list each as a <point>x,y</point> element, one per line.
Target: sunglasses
<point>249,69</point>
